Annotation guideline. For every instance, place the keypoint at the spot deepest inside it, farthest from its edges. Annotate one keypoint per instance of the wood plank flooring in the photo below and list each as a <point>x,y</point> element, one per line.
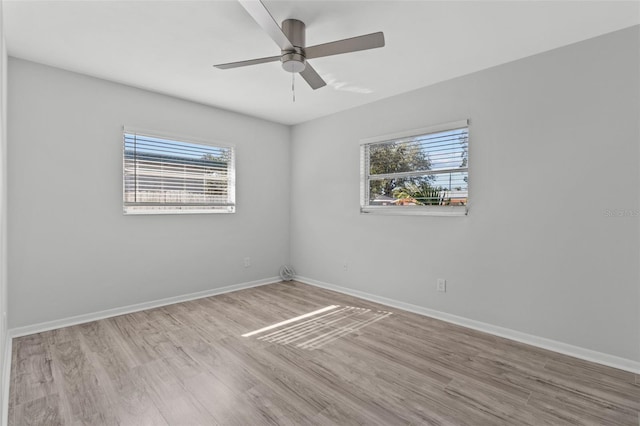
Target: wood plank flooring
<point>357,363</point>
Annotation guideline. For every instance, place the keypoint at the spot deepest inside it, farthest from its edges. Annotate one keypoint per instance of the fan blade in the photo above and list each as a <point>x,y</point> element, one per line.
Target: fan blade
<point>312,77</point>
<point>247,63</point>
<point>369,41</point>
<point>261,15</point>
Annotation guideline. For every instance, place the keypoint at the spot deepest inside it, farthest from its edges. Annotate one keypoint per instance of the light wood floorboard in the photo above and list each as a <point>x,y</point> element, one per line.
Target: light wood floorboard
<point>188,364</point>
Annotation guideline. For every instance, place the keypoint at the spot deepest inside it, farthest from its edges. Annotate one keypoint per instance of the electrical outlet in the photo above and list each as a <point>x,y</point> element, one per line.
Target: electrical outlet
<point>442,285</point>
<point>345,266</point>
<point>247,262</point>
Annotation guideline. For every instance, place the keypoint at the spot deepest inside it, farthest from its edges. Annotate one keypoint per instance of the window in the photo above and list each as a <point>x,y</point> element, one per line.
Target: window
<point>422,171</point>
<point>166,175</point>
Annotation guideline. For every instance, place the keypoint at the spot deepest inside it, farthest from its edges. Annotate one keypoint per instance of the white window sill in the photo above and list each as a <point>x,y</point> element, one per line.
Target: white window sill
<point>133,212</point>
<point>416,210</point>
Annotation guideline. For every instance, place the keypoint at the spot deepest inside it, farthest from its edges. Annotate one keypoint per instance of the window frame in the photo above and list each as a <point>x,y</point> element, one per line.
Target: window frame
<point>231,182</point>
<point>407,210</point>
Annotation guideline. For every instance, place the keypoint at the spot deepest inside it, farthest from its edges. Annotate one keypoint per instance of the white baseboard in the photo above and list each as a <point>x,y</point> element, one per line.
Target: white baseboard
<point>80,319</point>
<point>541,342</point>
<point>6,378</point>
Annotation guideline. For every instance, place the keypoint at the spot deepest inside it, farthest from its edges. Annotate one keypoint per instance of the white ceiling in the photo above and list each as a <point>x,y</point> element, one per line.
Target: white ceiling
<point>170,46</point>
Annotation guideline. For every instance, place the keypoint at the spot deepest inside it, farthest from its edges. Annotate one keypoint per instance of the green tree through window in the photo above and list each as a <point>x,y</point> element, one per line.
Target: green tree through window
<point>396,158</point>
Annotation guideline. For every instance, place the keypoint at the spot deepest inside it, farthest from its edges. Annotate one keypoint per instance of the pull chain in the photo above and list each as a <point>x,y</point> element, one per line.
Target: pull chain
<point>293,85</point>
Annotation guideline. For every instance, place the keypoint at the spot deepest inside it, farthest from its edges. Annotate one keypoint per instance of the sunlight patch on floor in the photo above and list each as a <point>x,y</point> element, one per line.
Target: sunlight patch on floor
<point>318,328</point>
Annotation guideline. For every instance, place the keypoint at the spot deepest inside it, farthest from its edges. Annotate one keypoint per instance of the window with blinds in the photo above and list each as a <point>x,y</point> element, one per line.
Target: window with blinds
<point>163,175</point>
<point>422,171</point>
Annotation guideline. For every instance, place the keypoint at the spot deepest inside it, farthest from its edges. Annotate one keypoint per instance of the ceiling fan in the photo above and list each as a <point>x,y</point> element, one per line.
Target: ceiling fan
<point>291,40</point>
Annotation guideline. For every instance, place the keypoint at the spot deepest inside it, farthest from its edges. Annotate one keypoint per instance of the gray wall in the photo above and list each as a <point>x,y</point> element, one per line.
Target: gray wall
<point>71,249</point>
<point>553,146</point>
<point>3,209</point>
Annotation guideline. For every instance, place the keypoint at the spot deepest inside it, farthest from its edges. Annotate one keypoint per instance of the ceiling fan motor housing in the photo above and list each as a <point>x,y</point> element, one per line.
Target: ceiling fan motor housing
<point>294,61</point>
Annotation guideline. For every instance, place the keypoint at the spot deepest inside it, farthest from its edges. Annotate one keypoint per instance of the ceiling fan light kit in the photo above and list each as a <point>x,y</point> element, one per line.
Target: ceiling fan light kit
<point>291,39</point>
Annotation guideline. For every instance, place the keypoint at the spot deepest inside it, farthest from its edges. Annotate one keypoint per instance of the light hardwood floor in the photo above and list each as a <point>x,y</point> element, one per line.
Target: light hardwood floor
<point>188,364</point>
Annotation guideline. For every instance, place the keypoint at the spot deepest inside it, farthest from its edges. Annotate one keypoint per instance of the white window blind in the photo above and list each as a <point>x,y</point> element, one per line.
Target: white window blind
<point>424,171</point>
<point>163,175</point>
